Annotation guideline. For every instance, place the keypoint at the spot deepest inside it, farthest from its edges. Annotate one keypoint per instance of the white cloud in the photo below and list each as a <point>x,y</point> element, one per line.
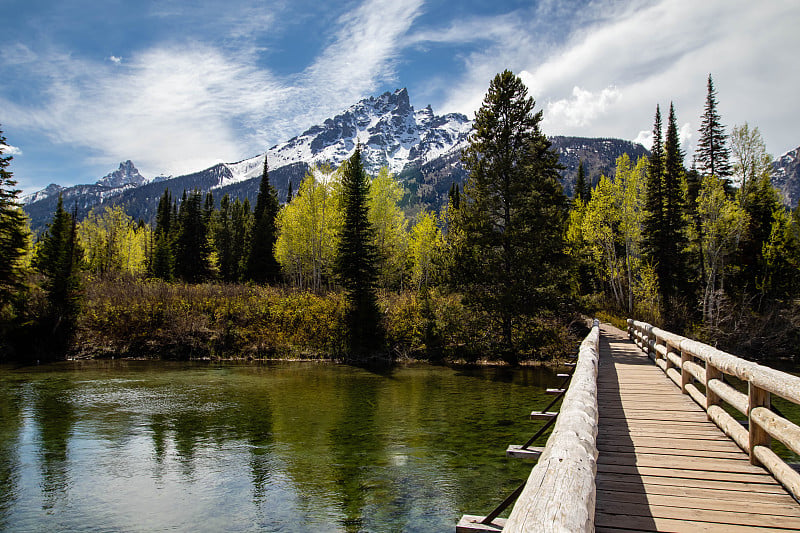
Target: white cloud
<point>583,108</point>
<point>183,107</point>
<point>7,149</point>
<point>652,52</point>
<point>645,138</point>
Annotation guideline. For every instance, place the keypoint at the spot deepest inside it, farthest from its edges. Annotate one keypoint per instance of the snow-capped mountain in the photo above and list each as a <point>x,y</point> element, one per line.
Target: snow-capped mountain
<point>391,132</point>
<point>47,192</point>
<point>127,176</point>
<point>786,176</point>
<point>423,150</point>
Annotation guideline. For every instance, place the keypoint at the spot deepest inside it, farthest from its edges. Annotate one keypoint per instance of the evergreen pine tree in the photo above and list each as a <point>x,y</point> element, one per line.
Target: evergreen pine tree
<point>289,192</point>
<point>191,240</point>
<point>513,211</point>
<point>262,265</point>
<point>241,224</point>
<point>713,156</point>
<point>161,261</point>
<point>581,189</point>
<point>223,240</point>
<point>454,196</point>
<point>13,231</point>
<point>654,206</point>
<point>671,266</point>
<point>357,262</point>
<point>58,259</point>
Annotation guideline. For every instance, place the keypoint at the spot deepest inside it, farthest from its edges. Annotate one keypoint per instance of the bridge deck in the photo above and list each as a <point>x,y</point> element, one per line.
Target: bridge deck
<point>662,466</point>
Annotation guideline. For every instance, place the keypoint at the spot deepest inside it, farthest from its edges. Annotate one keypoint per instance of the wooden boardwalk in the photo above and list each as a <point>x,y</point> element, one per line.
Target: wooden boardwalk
<point>662,466</point>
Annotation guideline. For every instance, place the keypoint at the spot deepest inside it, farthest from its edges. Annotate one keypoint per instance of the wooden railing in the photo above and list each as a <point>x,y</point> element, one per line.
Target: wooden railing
<point>560,492</point>
<point>690,363</point>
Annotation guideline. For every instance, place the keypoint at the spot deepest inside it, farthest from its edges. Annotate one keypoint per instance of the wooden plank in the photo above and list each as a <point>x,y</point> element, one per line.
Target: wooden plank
<point>667,451</point>
<point>684,473</point>
<point>698,515</point>
<point>652,479</point>
<point>641,523</point>
<point>710,465</point>
<point>671,442</point>
<point>706,503</point>
<point>654,432</point>
<point>689,493</point>
<point>517,452</point>
<point>472,524</point>
<point>540,415</point>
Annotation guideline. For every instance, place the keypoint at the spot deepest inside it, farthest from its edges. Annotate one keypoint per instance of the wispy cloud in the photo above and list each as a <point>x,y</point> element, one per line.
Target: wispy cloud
<point>650,52</point>
<point>176,108</point>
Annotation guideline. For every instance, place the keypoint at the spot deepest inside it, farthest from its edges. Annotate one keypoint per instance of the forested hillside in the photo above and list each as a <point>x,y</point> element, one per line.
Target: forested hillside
<point>493,252</point>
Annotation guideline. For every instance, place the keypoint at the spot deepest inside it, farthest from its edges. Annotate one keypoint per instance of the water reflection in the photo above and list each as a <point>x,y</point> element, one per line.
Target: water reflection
<point>355,445</point>
<point>54,416</point>
<point>10,424</point>
<point>284,447</point>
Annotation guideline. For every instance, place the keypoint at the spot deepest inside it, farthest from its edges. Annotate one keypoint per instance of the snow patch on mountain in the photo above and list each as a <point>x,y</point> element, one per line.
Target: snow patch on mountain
<point>391,132</point>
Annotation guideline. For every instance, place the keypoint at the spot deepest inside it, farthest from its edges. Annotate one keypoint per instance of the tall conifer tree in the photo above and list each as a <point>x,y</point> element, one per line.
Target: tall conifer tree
<point>191,240</point>
<point>357,262</point>
<point>581,189</point>
<point>58,260</point>
<point>673,267</point>
<point>713,156</point>
<point>513,212</point>
<point>13,230</point>
<point>161,261</point>
<point>654,222</point>
<point>261,264</point>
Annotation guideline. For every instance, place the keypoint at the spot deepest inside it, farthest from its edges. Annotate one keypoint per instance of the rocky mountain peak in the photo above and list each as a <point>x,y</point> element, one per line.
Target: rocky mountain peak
<point>786,176</point>
<point>126,175</point>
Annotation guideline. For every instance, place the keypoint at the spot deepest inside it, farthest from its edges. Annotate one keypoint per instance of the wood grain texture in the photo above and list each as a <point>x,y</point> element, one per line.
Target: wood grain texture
<point>662,465</point>
<point>559,494</point>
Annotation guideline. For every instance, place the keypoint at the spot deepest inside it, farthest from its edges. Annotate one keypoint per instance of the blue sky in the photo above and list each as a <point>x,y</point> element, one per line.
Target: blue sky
<point>178,85</point>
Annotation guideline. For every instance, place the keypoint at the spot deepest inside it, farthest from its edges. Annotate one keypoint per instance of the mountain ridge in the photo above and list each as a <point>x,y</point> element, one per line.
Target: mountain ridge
<point>421,148</point>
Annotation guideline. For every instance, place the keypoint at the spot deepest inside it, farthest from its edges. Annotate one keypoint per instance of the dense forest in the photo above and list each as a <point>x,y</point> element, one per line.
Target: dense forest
<point>504,271</point>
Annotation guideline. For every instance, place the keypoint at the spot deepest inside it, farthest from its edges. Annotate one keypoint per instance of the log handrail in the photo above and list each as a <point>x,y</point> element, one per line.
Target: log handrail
<point>688,362</point>
<point>560,492</point>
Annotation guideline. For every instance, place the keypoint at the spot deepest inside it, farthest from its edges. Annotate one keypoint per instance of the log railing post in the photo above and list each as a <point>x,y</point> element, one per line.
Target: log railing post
<point>757,397</point>
<point>686,377</point>
<point>712,398</point>
<point>668,362</point>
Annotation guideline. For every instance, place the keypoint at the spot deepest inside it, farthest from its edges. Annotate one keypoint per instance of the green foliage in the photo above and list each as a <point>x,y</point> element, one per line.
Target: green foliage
<point>230,232</point>
<point>713,156</point>
<point>14,234</point>
<point>308,231</point>
<point>426,245</point>
<point>665,223</point>
<point>57,258</point>
<point>391,229</point>
<point>179,321</point>
<point>723,222</point>
<point>261,263</point>
<point>513,213</point>
<point>113,244</point>
<point>606,233</point>
<point>582,190</point>
<point>192,246</point>
<point>357,261</point>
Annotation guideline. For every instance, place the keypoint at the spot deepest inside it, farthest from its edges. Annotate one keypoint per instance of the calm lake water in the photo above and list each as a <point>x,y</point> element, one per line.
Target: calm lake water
<point>143,446</point>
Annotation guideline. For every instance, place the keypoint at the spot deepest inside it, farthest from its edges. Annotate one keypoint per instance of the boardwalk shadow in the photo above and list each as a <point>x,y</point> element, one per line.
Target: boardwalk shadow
<point>618,477</point>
